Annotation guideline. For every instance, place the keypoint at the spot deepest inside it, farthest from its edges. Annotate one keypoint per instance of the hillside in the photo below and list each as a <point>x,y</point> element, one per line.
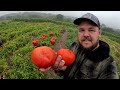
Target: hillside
<point>37,15</point>
<point>17,36</point>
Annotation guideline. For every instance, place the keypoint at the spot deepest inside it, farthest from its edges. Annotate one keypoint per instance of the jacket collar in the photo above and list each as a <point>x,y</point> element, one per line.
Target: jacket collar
<point>100,53</point>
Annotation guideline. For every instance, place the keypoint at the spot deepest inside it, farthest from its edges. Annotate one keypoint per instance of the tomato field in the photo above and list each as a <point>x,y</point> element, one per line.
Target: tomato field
<point>17,37</point>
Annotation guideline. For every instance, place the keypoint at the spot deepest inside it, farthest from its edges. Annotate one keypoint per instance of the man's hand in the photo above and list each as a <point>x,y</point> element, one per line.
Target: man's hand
<point>44,69</point>
<point>59,65</point>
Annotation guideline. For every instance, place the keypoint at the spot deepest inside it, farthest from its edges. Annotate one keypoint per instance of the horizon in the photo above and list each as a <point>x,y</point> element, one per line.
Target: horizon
<point>109,18</point>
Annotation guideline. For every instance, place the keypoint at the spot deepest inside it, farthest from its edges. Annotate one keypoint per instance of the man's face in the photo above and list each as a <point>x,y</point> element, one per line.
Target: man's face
<point>88,35</point>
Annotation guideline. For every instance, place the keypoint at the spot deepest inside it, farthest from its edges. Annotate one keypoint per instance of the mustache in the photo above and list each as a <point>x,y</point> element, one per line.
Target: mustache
<point>86,38</point>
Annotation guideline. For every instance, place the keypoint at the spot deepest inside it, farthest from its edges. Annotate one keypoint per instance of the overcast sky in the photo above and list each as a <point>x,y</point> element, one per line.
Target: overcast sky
<point>109,18</point>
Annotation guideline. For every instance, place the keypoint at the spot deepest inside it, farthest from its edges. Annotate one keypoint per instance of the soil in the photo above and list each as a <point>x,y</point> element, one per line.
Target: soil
<point>60,44</point>
<point>9,62</point>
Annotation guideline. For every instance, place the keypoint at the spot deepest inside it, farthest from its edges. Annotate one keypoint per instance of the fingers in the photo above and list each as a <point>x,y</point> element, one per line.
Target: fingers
<point>61,64</point>
<point>44,69</point>
<point>63,68</point>
<point>57,61</point>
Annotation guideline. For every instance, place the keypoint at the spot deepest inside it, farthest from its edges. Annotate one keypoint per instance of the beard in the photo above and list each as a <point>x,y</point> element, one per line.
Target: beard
<point>90,48</point>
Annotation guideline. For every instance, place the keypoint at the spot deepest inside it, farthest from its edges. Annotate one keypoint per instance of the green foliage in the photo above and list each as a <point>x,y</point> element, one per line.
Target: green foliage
<point>59,17</point>
<point>17,36</point>
<point>112,36</point>
<point>17,47</point>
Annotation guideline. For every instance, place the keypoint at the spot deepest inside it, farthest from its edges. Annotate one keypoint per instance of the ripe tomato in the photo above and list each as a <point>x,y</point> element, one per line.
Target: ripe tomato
<point>43,56</point>
<point>35,42</point>
<point>51,34</point>
<point>67,55</point>
<point>52,40</point>
<point>43,36</point>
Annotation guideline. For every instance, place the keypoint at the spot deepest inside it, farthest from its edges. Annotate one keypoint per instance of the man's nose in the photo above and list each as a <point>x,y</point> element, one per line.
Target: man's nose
<point>86,33</point>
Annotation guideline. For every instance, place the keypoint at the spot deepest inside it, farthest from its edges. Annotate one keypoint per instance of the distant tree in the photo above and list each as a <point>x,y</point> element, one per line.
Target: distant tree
<point>109,29</point>
<point>68,19</point>
<point>103,25</point>
<point>60,17</point>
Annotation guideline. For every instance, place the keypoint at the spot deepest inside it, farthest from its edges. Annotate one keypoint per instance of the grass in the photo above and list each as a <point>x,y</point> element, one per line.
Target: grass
<point>17,36</point>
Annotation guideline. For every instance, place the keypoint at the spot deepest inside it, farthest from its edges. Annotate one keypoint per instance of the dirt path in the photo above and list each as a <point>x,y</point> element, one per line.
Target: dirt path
<point>60,44</point>
<point>9,62</point>
<point>62,40</point>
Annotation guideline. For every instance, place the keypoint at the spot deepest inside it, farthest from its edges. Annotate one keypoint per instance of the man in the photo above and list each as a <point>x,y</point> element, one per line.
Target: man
<point>93,60</point>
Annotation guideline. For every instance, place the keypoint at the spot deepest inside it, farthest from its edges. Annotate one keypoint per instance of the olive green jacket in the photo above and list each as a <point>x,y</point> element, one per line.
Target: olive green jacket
<point>97,64</point>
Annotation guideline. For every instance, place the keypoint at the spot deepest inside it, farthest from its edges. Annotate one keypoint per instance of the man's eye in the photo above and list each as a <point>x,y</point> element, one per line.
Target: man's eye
<point>81,30</point>
<point>92,30</point>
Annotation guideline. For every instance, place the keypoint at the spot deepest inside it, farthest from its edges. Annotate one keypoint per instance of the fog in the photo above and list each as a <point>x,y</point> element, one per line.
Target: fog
<point>109,18</point>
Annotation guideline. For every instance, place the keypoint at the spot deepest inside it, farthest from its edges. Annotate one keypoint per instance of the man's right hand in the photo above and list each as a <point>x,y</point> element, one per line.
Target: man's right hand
<point>59,65</point>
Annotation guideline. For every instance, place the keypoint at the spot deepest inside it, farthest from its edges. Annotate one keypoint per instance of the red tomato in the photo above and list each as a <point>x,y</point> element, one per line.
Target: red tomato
<point>51,34</point>
<point>53,40</point>
<point>43,36</point>
<point>67,55</point>
<point>35,42</point>
<point>43,57</point>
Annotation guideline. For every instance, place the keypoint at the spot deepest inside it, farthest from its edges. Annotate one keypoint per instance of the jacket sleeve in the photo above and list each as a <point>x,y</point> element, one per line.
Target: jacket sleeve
<point>110,72</point>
